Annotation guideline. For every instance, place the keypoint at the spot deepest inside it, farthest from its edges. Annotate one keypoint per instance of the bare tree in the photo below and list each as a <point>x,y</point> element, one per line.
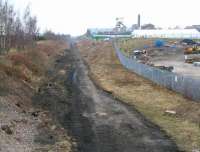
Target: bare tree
<point>9,30</point>
<point>30,26</point>
<point>18,41</point>
<point>14,31</point>
<point>2,27</point>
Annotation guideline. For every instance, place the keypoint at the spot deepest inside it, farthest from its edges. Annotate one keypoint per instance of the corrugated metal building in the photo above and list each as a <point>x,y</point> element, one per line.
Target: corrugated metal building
<point>108,33</point>
<point>100,30</point>
<point>176,33</point>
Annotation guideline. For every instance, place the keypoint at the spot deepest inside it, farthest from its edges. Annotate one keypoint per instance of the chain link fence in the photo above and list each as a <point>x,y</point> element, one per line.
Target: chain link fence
<point>185,85</point>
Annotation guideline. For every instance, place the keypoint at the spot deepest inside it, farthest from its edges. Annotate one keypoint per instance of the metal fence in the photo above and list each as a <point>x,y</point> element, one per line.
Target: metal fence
<point>185,85</point>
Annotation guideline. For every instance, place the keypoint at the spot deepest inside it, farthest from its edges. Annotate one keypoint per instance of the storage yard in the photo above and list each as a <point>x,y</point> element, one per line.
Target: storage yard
<point>173,54</point>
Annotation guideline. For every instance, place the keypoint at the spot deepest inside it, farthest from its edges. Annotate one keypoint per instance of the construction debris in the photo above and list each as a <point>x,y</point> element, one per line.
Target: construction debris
<point>192,50</point>
<point>188,42</point>
<point>192,59</point>
<point>167,68</point>
<point>197,64</point>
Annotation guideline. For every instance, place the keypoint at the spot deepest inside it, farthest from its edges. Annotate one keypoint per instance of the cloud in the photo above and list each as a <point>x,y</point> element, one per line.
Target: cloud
<point>75,16</point>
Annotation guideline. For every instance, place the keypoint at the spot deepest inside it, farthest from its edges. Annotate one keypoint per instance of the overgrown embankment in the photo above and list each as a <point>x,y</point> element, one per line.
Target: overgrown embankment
<point>25,127</point>
<point>30,65</point>
<point>151,100</point>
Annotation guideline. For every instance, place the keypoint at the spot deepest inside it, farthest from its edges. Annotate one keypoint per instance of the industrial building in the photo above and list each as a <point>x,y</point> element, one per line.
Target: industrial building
<point>120,30</point>
<point>108,33</point>
<point>175,33</point>
<point>144,31</point>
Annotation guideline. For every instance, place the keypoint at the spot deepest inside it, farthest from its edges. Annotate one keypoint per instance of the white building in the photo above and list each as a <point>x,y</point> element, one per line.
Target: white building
<point>176,33</point>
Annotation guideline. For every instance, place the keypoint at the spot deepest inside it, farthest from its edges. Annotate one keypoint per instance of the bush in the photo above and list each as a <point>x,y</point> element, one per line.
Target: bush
<point>14,72</point>
<point>23,59</point>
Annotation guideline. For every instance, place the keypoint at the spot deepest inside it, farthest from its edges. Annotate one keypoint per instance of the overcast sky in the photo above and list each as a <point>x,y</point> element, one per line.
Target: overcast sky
<point>75,16</point>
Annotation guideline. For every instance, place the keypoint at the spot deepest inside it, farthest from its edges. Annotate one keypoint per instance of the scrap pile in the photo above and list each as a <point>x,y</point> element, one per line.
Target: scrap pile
<point>192,54</point>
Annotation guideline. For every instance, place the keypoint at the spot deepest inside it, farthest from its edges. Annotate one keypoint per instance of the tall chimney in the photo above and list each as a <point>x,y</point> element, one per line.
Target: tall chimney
<point>139,24</point>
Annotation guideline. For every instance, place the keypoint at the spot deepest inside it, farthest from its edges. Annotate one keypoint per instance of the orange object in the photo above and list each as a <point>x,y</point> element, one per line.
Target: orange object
<point>188,50</point>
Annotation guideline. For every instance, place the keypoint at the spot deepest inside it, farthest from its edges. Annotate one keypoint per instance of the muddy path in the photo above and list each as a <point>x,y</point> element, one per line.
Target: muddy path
<point>115,126</point>
<point>95,120</point>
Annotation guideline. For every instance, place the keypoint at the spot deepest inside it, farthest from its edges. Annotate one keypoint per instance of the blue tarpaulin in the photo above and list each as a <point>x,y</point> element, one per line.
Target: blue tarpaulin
<point>159,43</point>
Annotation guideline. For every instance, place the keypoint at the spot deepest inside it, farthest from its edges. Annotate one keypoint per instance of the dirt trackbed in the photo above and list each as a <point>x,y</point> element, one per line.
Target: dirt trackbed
<point>107,124</point>
<point>97,121</point>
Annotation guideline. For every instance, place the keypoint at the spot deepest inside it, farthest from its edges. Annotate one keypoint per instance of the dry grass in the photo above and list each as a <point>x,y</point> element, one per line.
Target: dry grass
<point>31,64</point>
<point>14,71</point>
<point>21,73</point>
<point>151,100</point>
<point>128,45</point>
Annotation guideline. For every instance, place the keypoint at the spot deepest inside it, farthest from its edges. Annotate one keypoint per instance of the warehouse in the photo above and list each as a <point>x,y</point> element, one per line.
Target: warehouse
<point>175,33</point>
<point>107,33</point>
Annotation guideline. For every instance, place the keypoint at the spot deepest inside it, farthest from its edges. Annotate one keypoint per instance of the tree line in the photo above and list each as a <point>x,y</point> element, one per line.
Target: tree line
<point>50,35</point>
<point>16,31</point>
